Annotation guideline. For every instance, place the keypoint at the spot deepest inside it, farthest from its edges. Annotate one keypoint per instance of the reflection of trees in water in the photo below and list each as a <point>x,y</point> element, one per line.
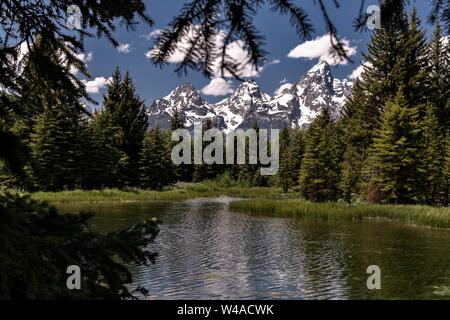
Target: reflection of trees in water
<point>208,252</point>
<point>410,260</point>
<point>323,258</point>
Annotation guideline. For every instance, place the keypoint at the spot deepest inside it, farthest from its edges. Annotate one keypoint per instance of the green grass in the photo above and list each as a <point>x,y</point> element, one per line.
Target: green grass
<point>268,202</point>
<point>188,191</point>
<point>415,215</point>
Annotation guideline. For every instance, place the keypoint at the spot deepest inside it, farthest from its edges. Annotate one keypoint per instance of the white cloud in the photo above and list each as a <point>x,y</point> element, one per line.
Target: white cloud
<point>84,58</point>
<point>152,35</point>
<point>274,61</point>
<point>124,48</point>
<point>285,86</point>
<point>358,71</point>
<point>218,87</point>
<point>283,81</point>
<point>235,50</point>
<point>95,85</point>
<point>321,48</point>
<point>235,53</point>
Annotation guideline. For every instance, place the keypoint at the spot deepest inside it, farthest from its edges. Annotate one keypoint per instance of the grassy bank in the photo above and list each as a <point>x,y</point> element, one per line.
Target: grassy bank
<point>188,191</point>
<point>416,215</point>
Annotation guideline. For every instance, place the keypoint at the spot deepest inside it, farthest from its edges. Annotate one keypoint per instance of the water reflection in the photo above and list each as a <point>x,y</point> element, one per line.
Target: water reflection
<point>208,252</point>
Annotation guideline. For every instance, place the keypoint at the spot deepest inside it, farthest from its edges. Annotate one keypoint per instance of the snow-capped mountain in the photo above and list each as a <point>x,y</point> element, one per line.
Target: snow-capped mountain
<point>293,105</point>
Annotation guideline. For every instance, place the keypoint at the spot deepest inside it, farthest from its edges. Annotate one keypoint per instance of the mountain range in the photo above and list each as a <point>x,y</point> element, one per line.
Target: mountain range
<point>293,105</point>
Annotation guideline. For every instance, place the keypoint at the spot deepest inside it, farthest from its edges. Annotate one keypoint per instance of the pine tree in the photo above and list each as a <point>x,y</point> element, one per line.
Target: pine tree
<point>359,123</point>
<point>206,171</point>
<point>433,158</point>
<point>177,120</point>
<point>411,69</point>
<point>127,111</point>
<point>57,148</point>
<point>183,172</point>
<point>102,148</point>
<point>297,150</point>
<point>156,169</point>
<point>38,244</point>
<point>446,185</point>
<point>319,175</point>
<point>397,152</point>
<point>438,77</point>
<point>395,59</point>
<point>285,177</point>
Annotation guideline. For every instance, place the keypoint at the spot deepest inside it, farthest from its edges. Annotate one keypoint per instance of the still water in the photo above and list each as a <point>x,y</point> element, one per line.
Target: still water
<point>208,252</point>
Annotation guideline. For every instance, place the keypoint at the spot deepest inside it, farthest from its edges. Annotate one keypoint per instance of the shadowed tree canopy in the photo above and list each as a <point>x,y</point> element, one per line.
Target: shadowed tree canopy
<point>23,21</point>
<point>37,244</point>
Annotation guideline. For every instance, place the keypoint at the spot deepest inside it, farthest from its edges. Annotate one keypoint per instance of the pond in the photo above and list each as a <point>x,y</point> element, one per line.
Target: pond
<point>208,252</point>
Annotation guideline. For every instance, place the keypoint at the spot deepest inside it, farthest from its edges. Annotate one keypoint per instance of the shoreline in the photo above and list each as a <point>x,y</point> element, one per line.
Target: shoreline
<point>262,201</point>
<point>190,191</point>
<point>414,215</point>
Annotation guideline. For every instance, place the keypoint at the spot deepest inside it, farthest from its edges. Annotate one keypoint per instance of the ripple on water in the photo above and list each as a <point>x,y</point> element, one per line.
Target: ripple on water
<point>208,252</point>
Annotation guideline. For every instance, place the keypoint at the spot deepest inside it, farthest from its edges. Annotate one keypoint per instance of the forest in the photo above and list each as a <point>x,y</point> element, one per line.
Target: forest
<point>390,145</point>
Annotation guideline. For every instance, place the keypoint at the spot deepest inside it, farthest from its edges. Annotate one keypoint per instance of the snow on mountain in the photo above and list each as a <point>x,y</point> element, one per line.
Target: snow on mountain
<point>246,100</point>
<point>188,102</point>
<point>293,105</point>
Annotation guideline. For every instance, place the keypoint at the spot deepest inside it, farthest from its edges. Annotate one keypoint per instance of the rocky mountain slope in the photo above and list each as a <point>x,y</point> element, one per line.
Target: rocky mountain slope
<point>293,105</point>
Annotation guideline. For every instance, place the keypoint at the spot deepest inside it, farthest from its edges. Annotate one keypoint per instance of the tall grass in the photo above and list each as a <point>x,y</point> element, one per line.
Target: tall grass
<point>416,215</point>
<point>187,191</point>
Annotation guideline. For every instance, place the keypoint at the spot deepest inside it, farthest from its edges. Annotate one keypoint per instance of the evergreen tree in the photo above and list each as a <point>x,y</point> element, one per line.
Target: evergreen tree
<point>446,198</point>
<point>285,177</point>
<point>57,148</point>
<point>103,160</point>
<point>183,172</point>
<point>411,68</point>
<point>297,147</point>
<point>358,125</point>
<point>319,175</point>
<point>250,174</point>
<point>438,77</point>
<point>395,59</point>
<point>206,171</point>
<point>433,158</point>
<point>155,166</point>
<point>397,152</point>
<point>127,111</point>
<point>37,244</point>
<point>177,120</point>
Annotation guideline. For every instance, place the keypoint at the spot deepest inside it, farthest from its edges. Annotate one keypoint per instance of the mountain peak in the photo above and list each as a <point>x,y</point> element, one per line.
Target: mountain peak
<point>247,84</point>
<point>250,89</point>
<point>187,86</point>
<point>322,67</point>
<point>294,105</point>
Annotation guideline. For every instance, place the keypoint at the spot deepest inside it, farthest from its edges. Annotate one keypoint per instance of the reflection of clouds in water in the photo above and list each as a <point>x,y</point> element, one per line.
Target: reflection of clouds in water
<point>207,252</point>
<point>214,253</point>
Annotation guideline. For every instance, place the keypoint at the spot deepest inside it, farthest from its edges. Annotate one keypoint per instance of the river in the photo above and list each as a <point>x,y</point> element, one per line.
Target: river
<point>208,252</point>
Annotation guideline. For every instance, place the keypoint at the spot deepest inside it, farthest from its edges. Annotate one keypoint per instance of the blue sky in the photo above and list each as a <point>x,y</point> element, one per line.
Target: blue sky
<point>152,82</point>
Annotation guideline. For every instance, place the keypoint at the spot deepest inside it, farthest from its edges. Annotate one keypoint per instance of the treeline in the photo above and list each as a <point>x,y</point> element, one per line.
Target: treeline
<point>390,145</point>
<point>63,147</point>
